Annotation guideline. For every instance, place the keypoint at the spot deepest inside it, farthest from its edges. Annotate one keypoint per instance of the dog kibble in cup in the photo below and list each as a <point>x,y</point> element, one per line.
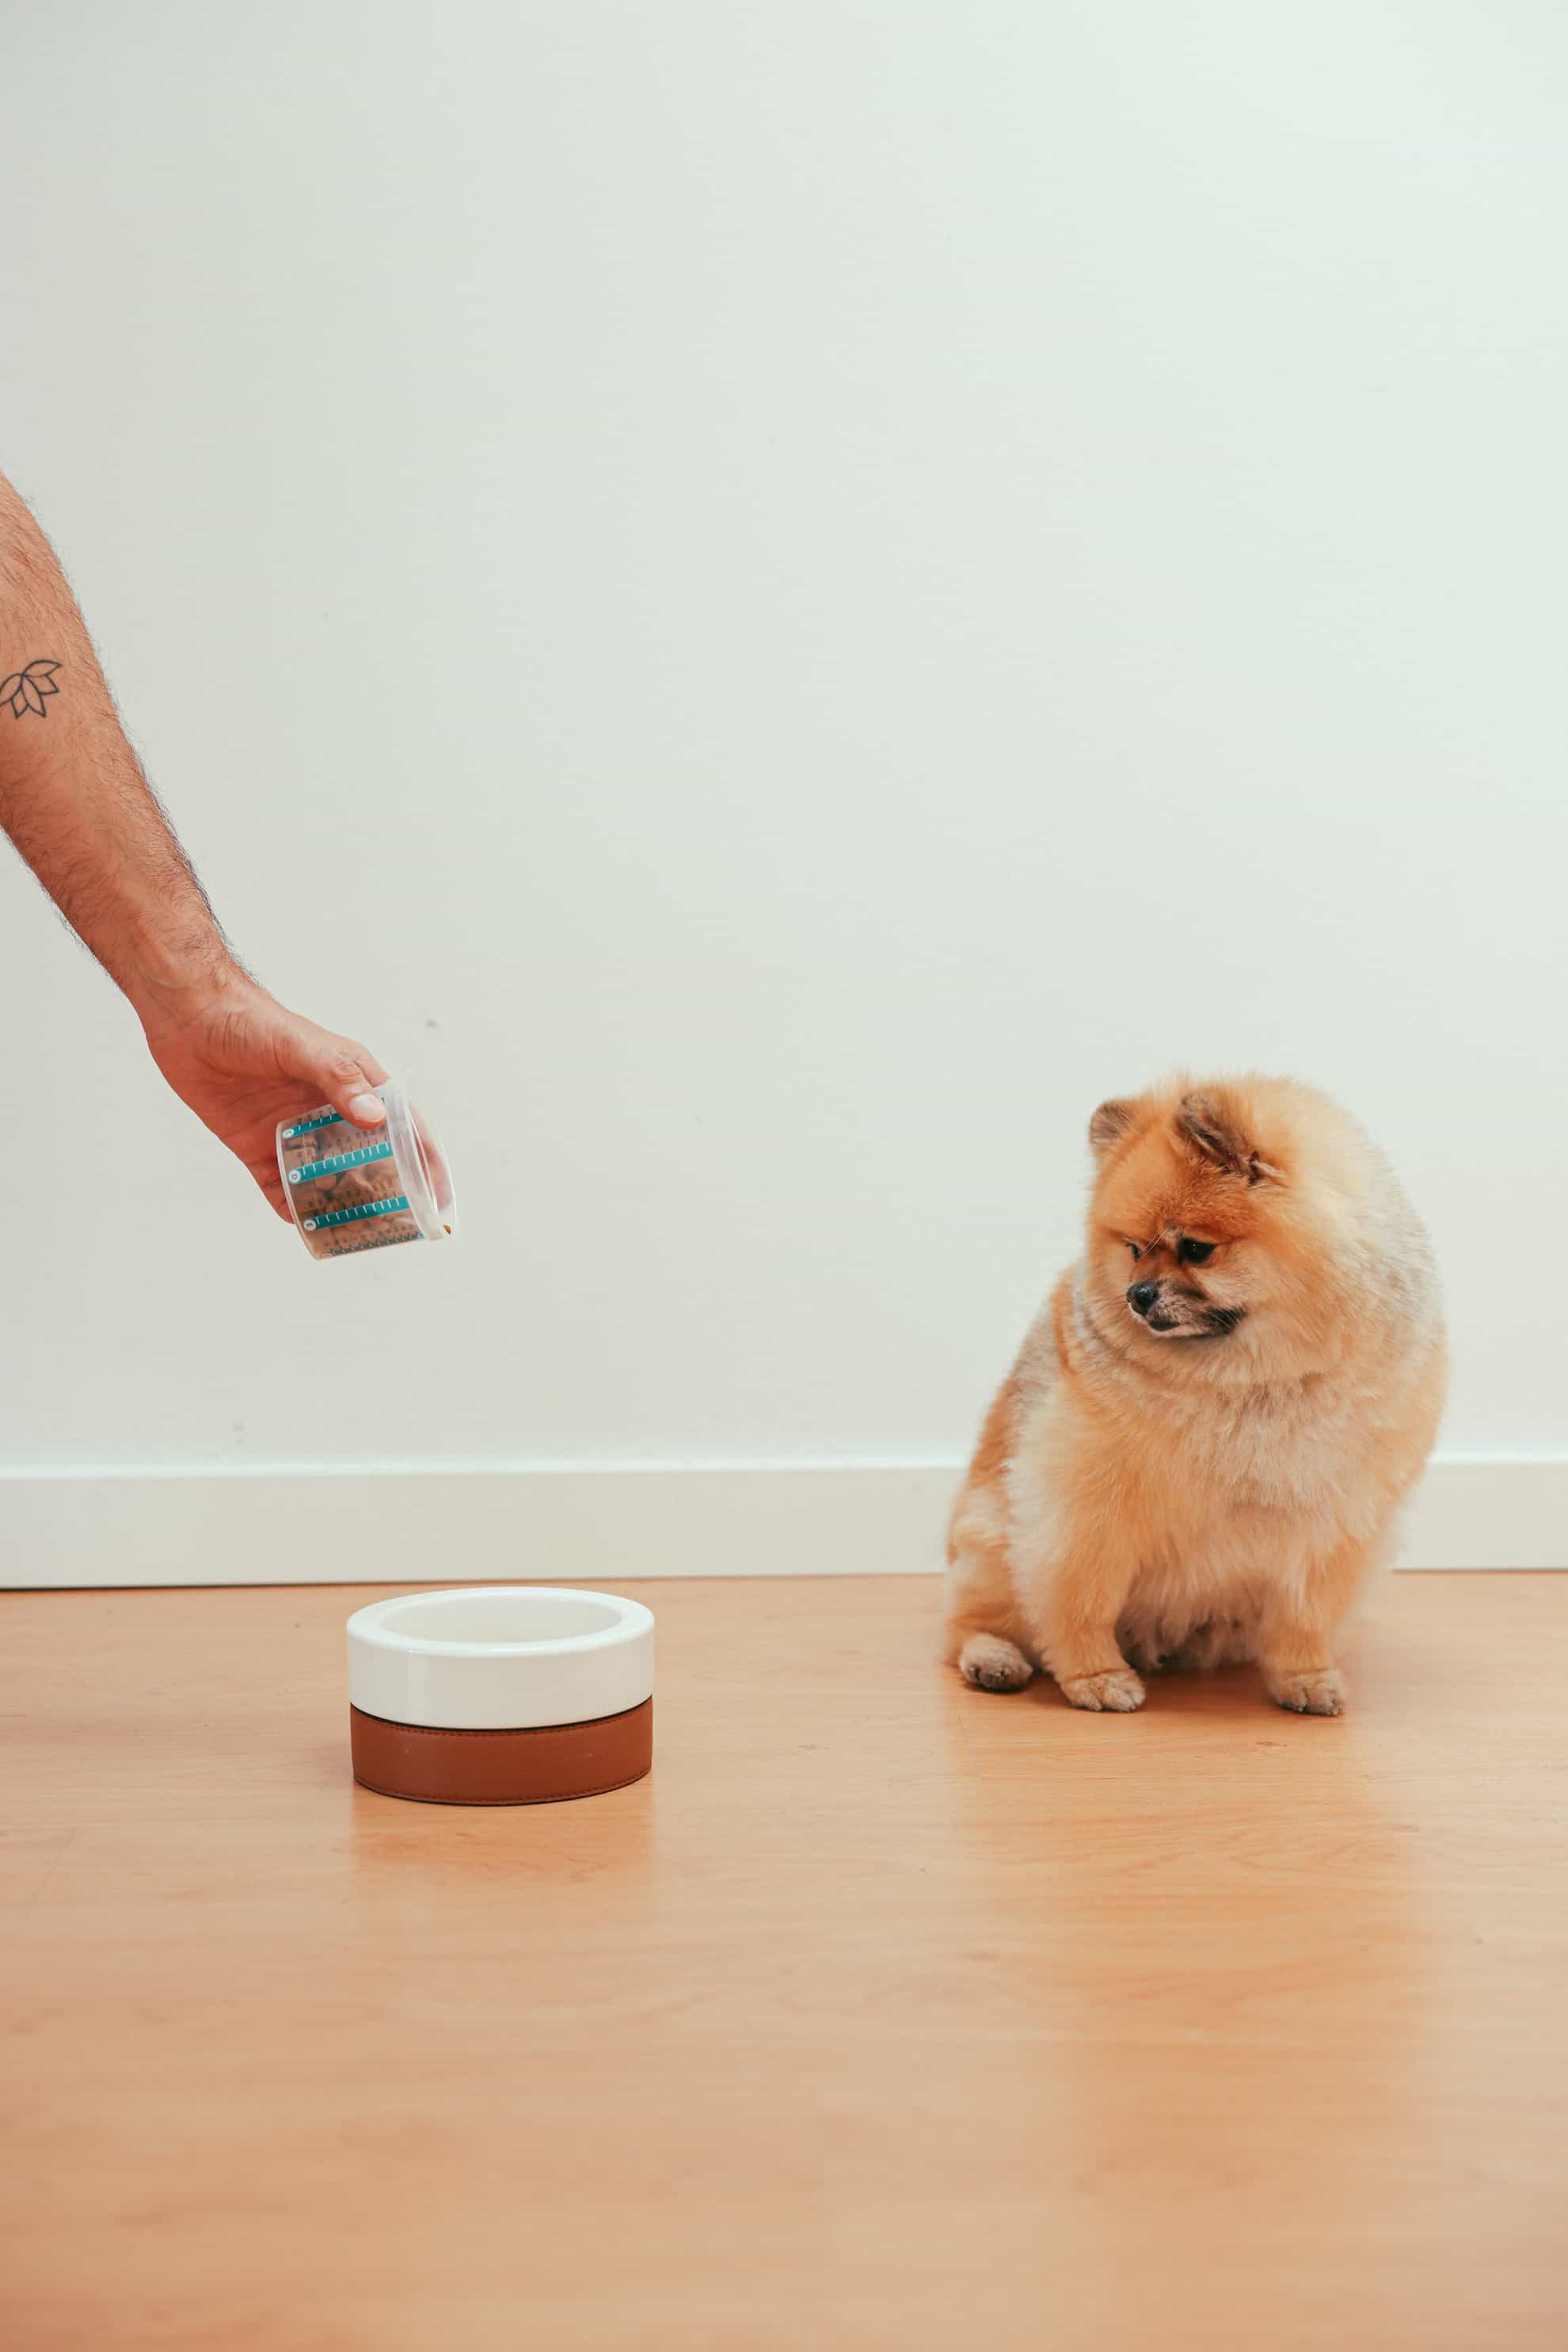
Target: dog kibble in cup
<point>352,1187</point>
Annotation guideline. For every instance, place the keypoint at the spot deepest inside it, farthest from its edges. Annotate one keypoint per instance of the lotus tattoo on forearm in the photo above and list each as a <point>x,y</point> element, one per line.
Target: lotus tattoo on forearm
<point>24,689</point>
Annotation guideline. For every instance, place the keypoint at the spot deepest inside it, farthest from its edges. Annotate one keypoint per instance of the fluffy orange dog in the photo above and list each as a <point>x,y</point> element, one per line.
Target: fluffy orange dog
<point>1202,1449</point>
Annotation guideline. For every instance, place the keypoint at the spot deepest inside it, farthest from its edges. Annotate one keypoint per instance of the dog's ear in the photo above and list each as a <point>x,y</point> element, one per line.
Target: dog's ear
<point>1212,1126</point>
<point>1109,1125</point>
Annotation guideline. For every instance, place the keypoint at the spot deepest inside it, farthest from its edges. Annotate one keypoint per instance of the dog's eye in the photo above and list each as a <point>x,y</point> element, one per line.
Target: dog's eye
<point>1193,1253</point>
<point>1137,1252</point>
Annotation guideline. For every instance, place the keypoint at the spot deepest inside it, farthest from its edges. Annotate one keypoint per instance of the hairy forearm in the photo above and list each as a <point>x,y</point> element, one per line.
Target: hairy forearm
<point>74,800</point>
<point>73,797</point>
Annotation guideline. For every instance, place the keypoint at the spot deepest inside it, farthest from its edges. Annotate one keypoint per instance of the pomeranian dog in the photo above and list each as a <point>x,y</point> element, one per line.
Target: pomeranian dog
<point>1202,1450</point>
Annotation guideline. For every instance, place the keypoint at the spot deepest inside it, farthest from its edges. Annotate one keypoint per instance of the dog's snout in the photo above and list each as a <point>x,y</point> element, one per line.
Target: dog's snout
<point>1141,1297</point>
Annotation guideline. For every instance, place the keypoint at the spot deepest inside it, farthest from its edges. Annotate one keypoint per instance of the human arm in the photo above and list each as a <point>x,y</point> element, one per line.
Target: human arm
<point>74,800</point>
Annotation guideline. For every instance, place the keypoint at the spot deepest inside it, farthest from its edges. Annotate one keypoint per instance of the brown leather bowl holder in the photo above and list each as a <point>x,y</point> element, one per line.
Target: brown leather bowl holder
<point>536,1767</point>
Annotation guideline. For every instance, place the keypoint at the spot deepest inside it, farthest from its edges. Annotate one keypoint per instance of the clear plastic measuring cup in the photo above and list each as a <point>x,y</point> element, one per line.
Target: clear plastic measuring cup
<point>361,1187</point>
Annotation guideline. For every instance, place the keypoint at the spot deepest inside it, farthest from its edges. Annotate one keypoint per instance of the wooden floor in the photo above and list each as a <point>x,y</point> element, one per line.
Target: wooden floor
<point>885,2015</point>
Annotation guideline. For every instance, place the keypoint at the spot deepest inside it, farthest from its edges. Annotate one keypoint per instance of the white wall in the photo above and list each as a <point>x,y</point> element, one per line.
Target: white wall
<point>776,599</point>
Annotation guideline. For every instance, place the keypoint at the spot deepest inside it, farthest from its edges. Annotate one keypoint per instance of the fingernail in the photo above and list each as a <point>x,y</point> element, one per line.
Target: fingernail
<point>366,1110</point>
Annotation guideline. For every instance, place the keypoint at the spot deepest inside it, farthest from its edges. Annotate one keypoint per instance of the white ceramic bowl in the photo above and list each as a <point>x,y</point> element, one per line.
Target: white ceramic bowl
<point>499,1657</point>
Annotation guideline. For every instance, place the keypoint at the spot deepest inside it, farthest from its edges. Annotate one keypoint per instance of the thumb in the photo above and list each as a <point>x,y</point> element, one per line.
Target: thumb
<point>348,1076</point>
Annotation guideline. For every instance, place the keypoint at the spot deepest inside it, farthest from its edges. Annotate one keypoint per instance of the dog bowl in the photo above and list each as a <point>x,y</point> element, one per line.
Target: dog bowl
<point>501,1694</point>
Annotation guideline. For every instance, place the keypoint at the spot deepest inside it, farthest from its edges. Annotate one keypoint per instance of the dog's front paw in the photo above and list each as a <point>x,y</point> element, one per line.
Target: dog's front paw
<point>1116,1692</point>
<point>988,1663</point>
<point>1320,1691</point>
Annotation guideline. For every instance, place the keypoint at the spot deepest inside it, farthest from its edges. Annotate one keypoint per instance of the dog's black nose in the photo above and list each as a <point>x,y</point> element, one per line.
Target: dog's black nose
<point>1141,1297</point>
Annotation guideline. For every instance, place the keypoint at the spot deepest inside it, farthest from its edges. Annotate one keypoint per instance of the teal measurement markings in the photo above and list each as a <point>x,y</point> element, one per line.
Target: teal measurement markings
<point>387,1208</point>
<point>309,1126</point>
<point>339,1162</point>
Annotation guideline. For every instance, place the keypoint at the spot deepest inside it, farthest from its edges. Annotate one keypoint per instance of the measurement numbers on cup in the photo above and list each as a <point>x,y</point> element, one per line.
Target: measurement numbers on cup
<point>339,1162</point>
<point>329,1217</point>
<point>309,1126</point>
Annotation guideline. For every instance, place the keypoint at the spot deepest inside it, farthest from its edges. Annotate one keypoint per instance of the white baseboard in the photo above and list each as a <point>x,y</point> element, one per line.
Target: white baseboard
<point>605,1524</point>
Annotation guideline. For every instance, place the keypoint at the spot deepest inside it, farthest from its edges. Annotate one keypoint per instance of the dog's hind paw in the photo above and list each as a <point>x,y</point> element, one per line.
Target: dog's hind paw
<point>1320,1692</point>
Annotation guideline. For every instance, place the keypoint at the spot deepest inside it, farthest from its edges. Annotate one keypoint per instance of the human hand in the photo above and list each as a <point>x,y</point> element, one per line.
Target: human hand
<point>242,1062</point>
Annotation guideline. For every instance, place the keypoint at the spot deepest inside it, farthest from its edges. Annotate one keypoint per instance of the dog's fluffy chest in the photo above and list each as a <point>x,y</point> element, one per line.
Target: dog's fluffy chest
<point>1273,1448</point>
